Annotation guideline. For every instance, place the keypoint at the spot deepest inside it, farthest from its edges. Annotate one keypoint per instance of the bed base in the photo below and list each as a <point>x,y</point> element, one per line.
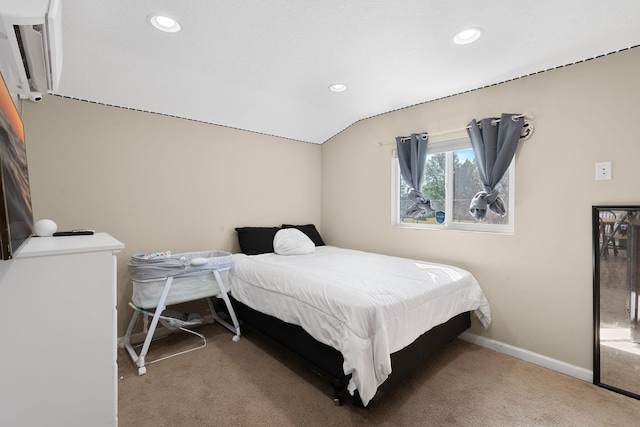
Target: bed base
<point>327,361</point>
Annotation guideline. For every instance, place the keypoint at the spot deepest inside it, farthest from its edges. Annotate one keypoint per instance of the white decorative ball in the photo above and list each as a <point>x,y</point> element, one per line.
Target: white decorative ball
<point>44,228</point>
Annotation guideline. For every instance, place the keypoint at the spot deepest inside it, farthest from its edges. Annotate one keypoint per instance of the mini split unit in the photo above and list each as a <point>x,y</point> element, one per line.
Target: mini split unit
<point>31,49</point>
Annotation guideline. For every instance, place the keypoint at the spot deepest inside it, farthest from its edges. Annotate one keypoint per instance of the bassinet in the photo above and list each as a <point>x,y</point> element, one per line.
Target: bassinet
<point>149,272</point>
<point>163,279</point>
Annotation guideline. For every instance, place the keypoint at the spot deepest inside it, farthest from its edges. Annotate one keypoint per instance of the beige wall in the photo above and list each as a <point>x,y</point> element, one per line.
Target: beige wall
<point>158,183</point>
<point>539,280</point>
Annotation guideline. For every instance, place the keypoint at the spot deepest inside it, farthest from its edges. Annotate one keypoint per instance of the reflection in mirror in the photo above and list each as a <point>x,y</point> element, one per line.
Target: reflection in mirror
<point>616,266</point>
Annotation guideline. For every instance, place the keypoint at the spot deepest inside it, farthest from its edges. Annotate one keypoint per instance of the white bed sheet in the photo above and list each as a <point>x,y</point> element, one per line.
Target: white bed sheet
<point>365,305</point>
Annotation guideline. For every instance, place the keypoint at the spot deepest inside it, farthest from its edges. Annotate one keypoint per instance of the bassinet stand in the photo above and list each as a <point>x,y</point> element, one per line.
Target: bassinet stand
<point>139,359</point>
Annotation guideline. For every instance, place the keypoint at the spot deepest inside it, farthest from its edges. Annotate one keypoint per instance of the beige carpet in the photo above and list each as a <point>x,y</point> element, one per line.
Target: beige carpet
<point>253,383</point>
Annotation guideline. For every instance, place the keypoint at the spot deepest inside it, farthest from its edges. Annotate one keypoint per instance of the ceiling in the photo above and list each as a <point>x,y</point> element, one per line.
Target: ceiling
<point>265,66</point>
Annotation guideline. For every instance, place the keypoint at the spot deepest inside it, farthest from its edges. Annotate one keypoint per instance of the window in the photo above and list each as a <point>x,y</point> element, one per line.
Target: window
<point>451,181</point>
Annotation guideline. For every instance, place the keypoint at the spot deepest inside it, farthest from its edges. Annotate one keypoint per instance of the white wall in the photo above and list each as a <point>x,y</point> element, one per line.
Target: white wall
<point>158,183</point>
<point>539,280</point>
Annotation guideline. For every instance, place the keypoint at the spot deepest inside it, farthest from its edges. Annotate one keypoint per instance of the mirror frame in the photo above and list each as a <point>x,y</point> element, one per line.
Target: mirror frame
<point>595,228</point>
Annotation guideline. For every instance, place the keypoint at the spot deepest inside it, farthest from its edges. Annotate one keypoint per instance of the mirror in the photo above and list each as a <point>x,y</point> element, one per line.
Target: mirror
<point>616,292</point>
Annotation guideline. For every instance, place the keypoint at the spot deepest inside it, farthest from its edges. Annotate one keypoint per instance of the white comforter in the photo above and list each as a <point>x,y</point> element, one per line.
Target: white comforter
<point>365,305</point>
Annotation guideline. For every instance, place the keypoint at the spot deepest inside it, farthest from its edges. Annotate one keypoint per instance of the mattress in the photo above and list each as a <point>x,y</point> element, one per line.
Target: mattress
<point>365,305</point>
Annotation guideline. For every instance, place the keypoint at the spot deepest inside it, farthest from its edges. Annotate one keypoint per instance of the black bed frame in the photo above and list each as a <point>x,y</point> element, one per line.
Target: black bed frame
<point>327,361</point>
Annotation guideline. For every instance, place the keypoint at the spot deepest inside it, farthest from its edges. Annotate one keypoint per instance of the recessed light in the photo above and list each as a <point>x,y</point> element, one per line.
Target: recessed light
<point>164,23</point>
<point>338,87</point>
<point>467,36</point>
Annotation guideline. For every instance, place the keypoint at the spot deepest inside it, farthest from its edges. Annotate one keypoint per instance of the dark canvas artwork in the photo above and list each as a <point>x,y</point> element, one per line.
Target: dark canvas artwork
<point>16,214</point>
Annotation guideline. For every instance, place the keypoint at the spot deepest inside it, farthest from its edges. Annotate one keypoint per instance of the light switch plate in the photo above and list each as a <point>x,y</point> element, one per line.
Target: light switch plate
<point>603,170</point>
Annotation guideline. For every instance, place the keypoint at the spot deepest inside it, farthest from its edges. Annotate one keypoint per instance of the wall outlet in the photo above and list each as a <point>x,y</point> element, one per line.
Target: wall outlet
<point>603,171</point>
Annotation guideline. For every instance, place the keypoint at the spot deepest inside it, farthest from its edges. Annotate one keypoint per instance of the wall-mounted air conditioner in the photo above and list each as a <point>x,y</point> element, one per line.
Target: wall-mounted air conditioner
<point>31,49</point>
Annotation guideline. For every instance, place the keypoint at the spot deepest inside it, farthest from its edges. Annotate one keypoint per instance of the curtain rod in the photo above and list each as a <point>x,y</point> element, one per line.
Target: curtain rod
<point>526,116</point>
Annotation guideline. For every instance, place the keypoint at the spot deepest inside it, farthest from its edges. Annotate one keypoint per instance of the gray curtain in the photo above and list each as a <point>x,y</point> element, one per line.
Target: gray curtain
<point>494,144</point>
<point>412,157</point>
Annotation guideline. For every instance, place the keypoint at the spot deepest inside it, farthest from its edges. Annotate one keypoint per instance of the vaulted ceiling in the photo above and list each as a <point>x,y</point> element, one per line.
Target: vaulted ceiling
<point>265,66</point>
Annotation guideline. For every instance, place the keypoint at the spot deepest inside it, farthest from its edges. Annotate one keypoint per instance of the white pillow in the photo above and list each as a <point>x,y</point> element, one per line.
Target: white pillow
<point>291,241</point>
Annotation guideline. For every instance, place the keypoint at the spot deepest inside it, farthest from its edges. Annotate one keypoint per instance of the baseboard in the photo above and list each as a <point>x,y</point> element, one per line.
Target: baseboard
<point>529,356</point>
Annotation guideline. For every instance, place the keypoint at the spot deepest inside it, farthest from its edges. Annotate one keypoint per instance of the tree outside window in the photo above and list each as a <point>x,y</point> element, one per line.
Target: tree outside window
<point>451,180</point>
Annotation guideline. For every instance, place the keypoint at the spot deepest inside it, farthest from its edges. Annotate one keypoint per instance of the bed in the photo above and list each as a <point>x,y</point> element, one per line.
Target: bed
<point>365,320</point>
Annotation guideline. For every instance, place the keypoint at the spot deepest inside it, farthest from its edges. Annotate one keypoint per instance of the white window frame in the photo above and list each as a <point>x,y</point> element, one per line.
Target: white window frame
<point>449,147</point>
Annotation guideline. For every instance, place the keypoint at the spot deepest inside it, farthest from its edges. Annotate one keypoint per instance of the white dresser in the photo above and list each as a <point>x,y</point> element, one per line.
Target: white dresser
<point>58,349</point>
